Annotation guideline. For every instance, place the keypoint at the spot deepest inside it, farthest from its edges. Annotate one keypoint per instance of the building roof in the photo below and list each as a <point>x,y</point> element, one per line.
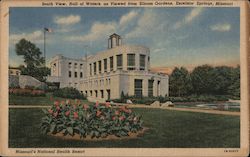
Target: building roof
<point>115,35</point>
<point>17,68</point>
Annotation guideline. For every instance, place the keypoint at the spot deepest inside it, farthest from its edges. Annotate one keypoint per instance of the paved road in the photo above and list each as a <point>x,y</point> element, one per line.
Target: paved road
<point>147,106</point>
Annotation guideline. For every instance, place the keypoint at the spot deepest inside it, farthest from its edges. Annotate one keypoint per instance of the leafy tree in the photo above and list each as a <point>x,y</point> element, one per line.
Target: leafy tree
<point>33,60</point>
<point>180,82</point>
<point>203,79</point>
<point>234,88</point>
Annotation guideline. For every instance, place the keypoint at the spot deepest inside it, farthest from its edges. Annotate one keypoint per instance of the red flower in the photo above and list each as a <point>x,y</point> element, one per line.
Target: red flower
<point>98,113</point>
<point>55,114</point>
<point>50,111</point>
<point>75,115</point>
<point>97,104</point>
<point>113,118</point>
<point>85,106</point>
<point>56,103</point>
<point>57,108</point>
<point>107,104</point>
<point>127,110</point>
<point>74,106</point>
<point>121,118</point>
<point>117,112</point>
<point>67,113</point>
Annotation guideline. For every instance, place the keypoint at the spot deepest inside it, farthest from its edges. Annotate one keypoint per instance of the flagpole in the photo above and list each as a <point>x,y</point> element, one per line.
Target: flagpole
<point>44,46</point>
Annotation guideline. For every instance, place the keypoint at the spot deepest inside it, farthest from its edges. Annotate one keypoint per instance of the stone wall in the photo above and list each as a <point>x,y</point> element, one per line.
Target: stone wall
<point>23,81</point>
<point>13,81</point>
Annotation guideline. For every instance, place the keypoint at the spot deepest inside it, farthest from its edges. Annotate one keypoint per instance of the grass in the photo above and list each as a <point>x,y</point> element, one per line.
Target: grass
<point>26,100</point>
<point>168,129</point>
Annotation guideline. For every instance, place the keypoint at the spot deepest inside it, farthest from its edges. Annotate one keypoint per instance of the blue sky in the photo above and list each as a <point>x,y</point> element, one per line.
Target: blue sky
<point>176,36</point>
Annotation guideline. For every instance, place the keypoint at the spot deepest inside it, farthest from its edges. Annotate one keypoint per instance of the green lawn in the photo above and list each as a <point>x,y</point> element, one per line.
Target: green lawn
<point>170,129</point>
<point>25,100</point>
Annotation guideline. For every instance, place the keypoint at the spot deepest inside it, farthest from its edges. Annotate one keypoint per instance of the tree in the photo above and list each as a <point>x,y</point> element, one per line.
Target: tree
<point>179,82</point>
<point>234,87</point>
<point>33,60</point>
<point>203,79</point>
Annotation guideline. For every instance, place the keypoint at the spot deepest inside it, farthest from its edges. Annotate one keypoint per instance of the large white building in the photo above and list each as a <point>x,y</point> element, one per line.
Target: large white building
<point>104,76</point>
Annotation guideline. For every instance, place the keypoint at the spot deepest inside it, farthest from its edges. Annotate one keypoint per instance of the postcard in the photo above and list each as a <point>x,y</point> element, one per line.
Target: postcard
<point>124,78</point>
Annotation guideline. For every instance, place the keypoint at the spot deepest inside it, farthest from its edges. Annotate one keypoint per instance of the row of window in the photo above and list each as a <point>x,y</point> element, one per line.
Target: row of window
<point>98,82</point>
<point>119,63</point>
<point>95,93</point>
<point>138,87</point>
<point>75,65</point>
<point>70,74</point>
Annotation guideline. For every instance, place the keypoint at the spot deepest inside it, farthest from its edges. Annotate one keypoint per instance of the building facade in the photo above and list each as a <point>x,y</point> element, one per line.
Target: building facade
<point>104,76</point>
<point>14,71</point>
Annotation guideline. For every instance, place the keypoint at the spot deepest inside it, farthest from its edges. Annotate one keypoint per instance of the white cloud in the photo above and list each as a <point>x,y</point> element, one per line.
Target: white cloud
<point>194,13</point>
<point>98,30</point>
<point>36,36</point>
<point>221,27</point>
<point>148,22</point>
<point>67,20</point>
<point>125,19</point>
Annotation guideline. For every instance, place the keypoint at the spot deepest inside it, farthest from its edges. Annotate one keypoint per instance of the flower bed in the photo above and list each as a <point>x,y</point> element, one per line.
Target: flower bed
<point>94,121</point>
<point>26,92</point>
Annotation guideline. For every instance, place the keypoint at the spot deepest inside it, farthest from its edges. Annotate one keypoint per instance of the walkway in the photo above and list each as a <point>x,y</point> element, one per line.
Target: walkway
<point>147,106</point>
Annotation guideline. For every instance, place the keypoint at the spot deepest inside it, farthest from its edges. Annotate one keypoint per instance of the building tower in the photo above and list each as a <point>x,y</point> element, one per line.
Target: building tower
<point>114,40</point>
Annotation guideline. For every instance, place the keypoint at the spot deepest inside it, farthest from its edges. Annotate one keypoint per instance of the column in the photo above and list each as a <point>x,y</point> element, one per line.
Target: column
<point>137,61</point>
<point>114,63</point>
<point>124,62</point>
<point>145,87</point>
<point>155,88</point>
<point>108,64</point>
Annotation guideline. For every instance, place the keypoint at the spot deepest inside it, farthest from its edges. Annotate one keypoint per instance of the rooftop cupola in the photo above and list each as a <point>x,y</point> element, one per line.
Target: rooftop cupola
<point>114,40</point>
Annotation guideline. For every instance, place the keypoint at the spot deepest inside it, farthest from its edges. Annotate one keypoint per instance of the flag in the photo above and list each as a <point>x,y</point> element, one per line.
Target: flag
<point>48,30</point>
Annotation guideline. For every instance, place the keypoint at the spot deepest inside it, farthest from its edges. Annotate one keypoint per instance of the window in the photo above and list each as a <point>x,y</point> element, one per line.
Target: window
<point>96,94</point>
<point>91,93</point>
<point>102,95</point>
<point>69,64</point>
<point>94,68</point>
<point>100,66</point>
<point>75,74</point>
<point>131,61</point>
<point>75,65</point>
<point>142,62</point>
<point>105,65</point>
<point>138,88</point>
<point>80,74</point>
<point>81,66</point>
<point>108,93</point>
<point>69,73</point>
<point>150,87</point>
<point>119,61</point>
<point>111,63</point>
<point>90,69</point>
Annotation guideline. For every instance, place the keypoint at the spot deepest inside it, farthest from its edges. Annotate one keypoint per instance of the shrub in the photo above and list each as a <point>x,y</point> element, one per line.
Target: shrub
<point>94,120</point>
<point>68,92</point>
<point>191,98</point>
<point>26,92</point>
